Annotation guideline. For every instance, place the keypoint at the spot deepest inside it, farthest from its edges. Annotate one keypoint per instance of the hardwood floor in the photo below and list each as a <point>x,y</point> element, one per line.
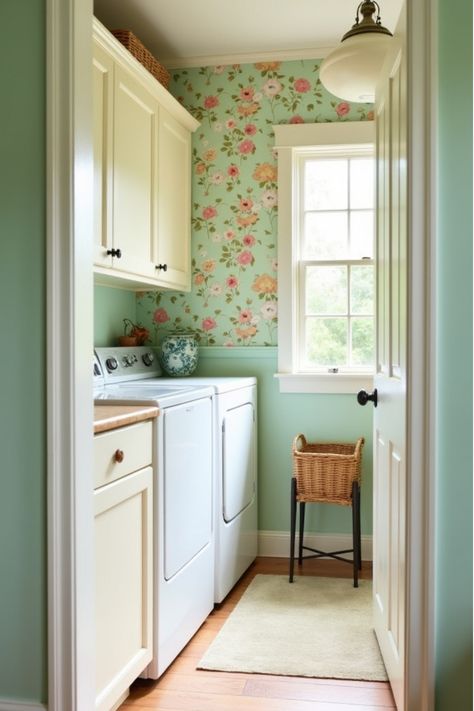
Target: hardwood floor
<point>183,687</point>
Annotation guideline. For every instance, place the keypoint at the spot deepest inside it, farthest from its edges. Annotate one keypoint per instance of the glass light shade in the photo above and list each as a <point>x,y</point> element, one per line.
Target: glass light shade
<point>352,70</point>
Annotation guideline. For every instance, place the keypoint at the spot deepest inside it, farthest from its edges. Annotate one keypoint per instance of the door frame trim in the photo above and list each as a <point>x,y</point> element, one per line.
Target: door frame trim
<point>69,347</point>
<point>69,178</point>
<point>421,414</point>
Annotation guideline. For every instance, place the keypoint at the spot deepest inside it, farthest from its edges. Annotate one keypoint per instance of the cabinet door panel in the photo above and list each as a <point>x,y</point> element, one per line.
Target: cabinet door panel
<point>135,175</point>
<point>103,73</point>
<point>174,185</point>
<point>124,579</point>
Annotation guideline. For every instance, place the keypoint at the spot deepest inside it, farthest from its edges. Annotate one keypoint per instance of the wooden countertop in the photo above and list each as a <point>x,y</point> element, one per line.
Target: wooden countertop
<point>109,417</point>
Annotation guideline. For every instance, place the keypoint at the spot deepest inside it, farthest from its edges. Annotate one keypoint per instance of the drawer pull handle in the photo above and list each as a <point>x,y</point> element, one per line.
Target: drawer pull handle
<point>118,456</point>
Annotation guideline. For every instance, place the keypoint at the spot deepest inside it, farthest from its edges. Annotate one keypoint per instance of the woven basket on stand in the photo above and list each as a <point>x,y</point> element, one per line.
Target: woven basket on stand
<point>143,55</point>
<point>326,472</point>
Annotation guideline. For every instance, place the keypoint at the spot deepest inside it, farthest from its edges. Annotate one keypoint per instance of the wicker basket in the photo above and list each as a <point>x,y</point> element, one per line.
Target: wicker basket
<point>326,472</point>
<point>143,55</point>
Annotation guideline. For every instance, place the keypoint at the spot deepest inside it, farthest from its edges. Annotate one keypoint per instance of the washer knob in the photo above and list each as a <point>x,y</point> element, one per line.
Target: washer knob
<point>111,364</point>
<point>148,358</point>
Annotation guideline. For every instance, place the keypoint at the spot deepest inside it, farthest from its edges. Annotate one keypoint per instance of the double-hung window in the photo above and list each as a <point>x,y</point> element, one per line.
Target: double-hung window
<point>326,257</point>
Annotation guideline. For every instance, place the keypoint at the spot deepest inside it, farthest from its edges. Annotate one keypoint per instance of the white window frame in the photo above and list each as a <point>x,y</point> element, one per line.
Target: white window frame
<point>292,141</point>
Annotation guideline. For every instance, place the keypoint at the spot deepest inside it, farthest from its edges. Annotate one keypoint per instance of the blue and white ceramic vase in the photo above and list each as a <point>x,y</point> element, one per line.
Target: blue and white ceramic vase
<point>179,354</point>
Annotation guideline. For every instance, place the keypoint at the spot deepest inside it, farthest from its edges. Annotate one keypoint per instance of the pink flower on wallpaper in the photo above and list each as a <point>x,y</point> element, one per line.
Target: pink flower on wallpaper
<point>229,234</point>
<point>233,171</point>
<point>219,68</point>
<point>248,240</point>
<point>245,316</point>
<point>296,119</point>
<point>343,108</point>
<point>160,316</point>
<point>208,323</point>
<point>246,147</point>
<point>210,102</point>
<point>230,124</point>
<point>271,88</point>
<point>245,258</point>
<point>199,279</point>
<point>200,168</point>
<point>209,212</point>
<point>250,129</point>
<point>246,204</point>
<point>232,282</point>
<point>301,85</point>
<point>370,116</point>
<point>247,93</point>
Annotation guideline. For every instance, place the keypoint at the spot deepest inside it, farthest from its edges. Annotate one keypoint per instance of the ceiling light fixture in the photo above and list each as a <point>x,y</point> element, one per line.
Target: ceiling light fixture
<point>351,70</point>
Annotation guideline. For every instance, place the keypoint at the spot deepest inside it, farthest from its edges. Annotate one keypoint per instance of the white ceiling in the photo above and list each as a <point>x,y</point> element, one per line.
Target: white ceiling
<point>201,32</point>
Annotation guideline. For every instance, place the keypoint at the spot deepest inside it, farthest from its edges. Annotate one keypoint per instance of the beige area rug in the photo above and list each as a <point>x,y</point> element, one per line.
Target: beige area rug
<point>316,627</point>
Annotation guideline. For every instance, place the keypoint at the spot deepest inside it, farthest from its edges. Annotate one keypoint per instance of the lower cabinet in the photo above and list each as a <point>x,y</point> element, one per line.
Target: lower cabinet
<point>123,512</point>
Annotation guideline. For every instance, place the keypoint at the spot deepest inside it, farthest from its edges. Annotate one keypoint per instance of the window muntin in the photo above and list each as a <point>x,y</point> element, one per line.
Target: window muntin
<point>335,230</point>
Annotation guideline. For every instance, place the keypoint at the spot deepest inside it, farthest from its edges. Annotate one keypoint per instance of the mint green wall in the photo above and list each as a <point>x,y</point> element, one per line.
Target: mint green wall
<point>281,417</point>
<point>111,306</point>
<point>454,370</point>
<point>22,359</point>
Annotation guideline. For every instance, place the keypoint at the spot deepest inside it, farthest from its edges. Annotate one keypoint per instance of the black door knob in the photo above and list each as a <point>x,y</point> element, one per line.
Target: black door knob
<point>163,267</point>
<point>115,253</point>
<point>363,397</point>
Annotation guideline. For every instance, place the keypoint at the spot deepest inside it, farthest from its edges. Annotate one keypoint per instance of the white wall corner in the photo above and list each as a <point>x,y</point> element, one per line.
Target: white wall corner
<point>276,544</point>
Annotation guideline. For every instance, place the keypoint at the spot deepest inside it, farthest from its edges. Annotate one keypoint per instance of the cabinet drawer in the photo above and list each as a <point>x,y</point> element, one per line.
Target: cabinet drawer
<point>132,445</point>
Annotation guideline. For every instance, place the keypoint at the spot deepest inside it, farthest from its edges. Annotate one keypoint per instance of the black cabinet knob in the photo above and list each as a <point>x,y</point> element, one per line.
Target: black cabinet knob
<point>363,397</point>
<point>115,253</point>
<point>162,267</point>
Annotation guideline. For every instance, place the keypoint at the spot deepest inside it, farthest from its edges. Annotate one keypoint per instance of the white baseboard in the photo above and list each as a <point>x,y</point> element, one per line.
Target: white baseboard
<point>276,544</point>
<point>7,705</point>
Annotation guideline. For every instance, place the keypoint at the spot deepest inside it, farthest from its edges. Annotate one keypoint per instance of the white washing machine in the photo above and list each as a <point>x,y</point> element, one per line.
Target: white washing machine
<point>235,466</point>
<point>183,461</point>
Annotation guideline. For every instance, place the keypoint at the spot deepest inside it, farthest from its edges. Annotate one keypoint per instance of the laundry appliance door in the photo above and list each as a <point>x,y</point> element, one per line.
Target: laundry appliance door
<point>238,460</point>
<point>187,472</point>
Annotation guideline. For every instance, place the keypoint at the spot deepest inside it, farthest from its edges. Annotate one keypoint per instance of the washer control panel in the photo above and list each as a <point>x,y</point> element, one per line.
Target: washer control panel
<point>128,363</point>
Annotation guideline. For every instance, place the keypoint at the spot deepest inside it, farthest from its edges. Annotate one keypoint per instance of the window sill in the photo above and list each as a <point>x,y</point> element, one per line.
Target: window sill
<point>338,383</point>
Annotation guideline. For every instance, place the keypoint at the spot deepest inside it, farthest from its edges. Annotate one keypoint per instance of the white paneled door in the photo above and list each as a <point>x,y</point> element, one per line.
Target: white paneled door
<point>390,381</point>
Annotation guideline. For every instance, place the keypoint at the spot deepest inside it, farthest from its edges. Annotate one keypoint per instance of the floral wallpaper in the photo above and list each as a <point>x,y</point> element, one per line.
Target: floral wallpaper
<point>234,218</point>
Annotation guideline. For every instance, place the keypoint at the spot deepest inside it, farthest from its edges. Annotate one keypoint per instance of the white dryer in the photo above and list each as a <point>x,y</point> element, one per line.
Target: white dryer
<point>235,478</point>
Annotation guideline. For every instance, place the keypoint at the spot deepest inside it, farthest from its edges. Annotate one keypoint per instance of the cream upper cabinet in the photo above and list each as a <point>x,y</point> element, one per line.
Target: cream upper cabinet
<point>174,202</point>
<point>142,174</point>
<point>135,189</point>
<point>102,77</point>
